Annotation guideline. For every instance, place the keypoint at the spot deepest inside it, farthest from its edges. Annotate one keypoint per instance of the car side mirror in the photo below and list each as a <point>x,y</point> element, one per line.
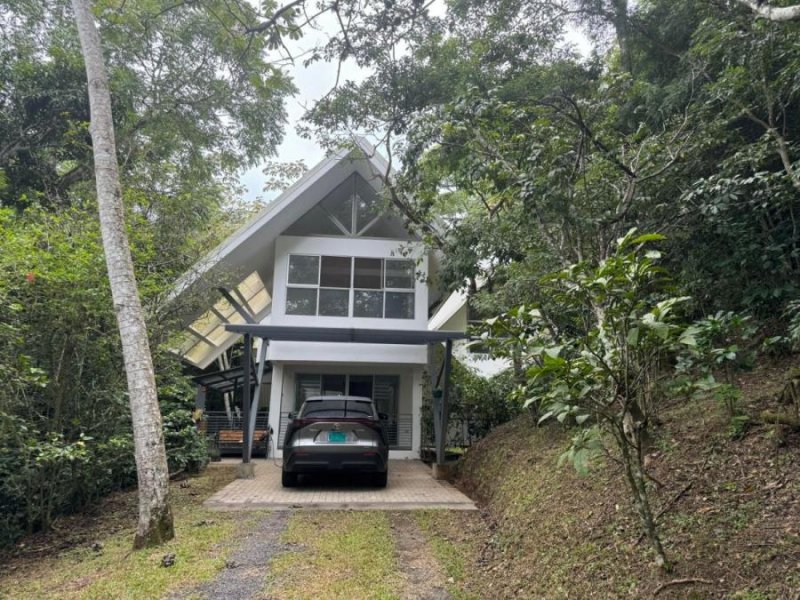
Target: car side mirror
<point>383,416</point>
<point>291,416</point>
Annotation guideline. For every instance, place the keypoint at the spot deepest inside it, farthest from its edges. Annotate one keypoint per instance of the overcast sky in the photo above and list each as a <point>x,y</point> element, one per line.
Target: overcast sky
<point>312,83</point>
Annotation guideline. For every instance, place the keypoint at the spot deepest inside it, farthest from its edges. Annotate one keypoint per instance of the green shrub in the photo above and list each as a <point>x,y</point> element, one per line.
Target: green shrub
<point>43,474</point>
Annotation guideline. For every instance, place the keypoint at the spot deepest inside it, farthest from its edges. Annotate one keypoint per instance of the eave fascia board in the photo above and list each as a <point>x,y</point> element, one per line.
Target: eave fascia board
<point>455,302</point>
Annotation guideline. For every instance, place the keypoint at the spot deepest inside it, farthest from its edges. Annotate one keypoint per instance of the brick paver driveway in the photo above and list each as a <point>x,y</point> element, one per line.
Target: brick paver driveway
<point>411,487</point>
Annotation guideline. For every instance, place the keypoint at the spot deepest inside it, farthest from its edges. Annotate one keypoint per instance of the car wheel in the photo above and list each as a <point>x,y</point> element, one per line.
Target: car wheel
<point>288,479</point>
<point>380,479</point>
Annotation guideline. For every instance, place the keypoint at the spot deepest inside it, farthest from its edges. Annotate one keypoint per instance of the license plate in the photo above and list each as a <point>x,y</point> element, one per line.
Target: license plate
<point>337,437</point>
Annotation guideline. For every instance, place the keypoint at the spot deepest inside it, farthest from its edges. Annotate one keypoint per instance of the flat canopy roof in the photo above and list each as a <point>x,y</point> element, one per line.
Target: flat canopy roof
<point>225,381</point>
<point>282,333</point>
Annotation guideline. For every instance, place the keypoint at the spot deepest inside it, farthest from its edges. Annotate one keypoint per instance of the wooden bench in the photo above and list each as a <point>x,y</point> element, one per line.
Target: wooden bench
<point>232,439</point>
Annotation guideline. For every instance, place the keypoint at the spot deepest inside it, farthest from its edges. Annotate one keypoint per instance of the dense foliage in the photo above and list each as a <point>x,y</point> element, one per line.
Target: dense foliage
<point>193,104</point>
<point>527,162</point>
<point>523,160</point>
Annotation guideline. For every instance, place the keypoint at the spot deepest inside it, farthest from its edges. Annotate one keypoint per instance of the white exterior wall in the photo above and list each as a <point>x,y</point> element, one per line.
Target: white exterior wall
<point>326,352</point>
<point>276,392</point>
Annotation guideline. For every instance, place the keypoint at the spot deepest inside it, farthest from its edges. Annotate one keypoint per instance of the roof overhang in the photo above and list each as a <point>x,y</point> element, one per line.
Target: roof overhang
<point>228,380</point>
<point>359,336</point>
<point>252,245</point>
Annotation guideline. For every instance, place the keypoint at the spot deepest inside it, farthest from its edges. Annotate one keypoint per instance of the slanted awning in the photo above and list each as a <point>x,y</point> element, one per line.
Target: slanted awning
<point>228,380</point>
<point>206,338</point>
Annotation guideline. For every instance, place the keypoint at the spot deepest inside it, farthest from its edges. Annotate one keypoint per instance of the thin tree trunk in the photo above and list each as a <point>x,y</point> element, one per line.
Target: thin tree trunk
<point>620,8</point>
<point>634,472</point>
<point>155,517</point>
<point>773,13</point>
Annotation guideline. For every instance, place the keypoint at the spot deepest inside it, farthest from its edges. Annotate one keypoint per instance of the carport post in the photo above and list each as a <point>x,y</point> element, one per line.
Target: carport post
<point>262,357</point>
<point>245,470</point>
<point>444,407</point>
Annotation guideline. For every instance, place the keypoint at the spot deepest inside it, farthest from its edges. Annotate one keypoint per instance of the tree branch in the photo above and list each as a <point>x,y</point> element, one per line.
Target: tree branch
<point>261,27</point>
<point>772,13</point>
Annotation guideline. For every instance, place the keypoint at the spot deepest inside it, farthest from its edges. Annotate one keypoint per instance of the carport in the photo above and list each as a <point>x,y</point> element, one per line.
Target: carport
<point>251,389</point>
<point>411,487</point>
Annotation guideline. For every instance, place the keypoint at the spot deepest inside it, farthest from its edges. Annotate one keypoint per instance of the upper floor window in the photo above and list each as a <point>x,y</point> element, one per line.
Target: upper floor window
<point>343,286</point>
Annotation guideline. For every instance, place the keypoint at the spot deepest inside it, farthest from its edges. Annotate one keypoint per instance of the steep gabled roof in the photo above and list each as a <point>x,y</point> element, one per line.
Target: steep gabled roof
<point>279,214</point>
<point>244,261</point>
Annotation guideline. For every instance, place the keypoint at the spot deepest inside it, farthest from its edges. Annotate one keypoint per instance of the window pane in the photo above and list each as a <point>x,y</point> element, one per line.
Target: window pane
<point>368,274</point>
<point>400,274</point>
<point>339,203</point>
<point>335,271</point>
<point>399,305</point>
<point>324,408</point>
<point>334,303</point>
<point>333,385</point>
<point>368,204</point>
<point>386,394</point>
<point>367,304</point>
<point>301,301</point>
<point>360,385</point>
<point>306,386</point>
<point>315,222</point>
<point>360,409</point>
<point>304,269</point>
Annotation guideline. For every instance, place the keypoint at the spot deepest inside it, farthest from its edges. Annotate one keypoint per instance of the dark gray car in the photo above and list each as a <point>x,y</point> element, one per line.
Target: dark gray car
<point>335,434</point>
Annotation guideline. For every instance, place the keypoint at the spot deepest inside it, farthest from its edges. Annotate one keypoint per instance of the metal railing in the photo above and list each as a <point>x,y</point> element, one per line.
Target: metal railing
<point>216,421</point>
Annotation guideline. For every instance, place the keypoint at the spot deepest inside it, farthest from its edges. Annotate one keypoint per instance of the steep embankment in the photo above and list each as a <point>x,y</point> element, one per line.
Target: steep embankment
<point>729,511</point>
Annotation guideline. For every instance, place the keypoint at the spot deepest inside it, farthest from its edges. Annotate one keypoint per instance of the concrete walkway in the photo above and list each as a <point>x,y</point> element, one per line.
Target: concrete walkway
<point>411,487</point>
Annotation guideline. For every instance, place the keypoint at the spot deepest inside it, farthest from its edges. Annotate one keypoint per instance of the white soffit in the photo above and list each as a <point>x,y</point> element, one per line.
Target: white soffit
<point>447,311</point>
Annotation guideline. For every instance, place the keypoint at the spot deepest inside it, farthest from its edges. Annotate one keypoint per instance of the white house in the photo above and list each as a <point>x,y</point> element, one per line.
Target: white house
<point>339,290</point>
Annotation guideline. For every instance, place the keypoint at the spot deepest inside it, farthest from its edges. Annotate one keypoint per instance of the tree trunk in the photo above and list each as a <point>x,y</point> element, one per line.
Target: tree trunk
<point>620,17</point>
<point>634,472</point>
<point>155,517</point>
<point>773,13</point>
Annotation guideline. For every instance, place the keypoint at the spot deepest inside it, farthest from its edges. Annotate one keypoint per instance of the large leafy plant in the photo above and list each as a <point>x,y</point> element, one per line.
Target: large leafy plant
<point>603,365</point>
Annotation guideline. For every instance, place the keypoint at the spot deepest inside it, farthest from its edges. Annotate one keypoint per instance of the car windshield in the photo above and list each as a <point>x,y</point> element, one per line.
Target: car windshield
<point>336,407</point>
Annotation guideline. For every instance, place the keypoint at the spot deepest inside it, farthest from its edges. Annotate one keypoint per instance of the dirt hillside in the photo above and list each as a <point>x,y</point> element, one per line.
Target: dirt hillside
<point>729,510</point>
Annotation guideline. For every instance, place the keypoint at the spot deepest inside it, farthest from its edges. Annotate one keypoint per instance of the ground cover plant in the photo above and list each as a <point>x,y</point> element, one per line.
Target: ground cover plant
<point>88,555</point>
<point>726,509</point>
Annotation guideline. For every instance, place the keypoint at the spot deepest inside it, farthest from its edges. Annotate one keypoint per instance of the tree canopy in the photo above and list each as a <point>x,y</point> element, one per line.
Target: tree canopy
<point>526,163</point>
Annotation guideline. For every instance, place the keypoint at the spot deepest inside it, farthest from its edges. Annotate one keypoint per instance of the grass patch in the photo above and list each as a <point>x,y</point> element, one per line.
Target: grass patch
<point>347,555</point>
<point>116,571</point>
<point>453,556</point>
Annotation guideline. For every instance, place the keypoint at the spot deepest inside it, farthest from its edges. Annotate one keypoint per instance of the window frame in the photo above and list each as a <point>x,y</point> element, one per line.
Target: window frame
<point>383,290</point>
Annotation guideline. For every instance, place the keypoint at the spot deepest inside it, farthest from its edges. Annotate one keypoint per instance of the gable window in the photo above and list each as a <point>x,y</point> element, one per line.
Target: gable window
<point>343,286</point>
<point>351,209</point>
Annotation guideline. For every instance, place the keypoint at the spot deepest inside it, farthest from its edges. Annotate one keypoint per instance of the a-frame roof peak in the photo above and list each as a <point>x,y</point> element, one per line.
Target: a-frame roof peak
<point>290,205</point>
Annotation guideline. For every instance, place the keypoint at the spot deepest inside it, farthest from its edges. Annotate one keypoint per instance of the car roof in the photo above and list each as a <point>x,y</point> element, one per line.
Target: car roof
<point>354,398</point>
